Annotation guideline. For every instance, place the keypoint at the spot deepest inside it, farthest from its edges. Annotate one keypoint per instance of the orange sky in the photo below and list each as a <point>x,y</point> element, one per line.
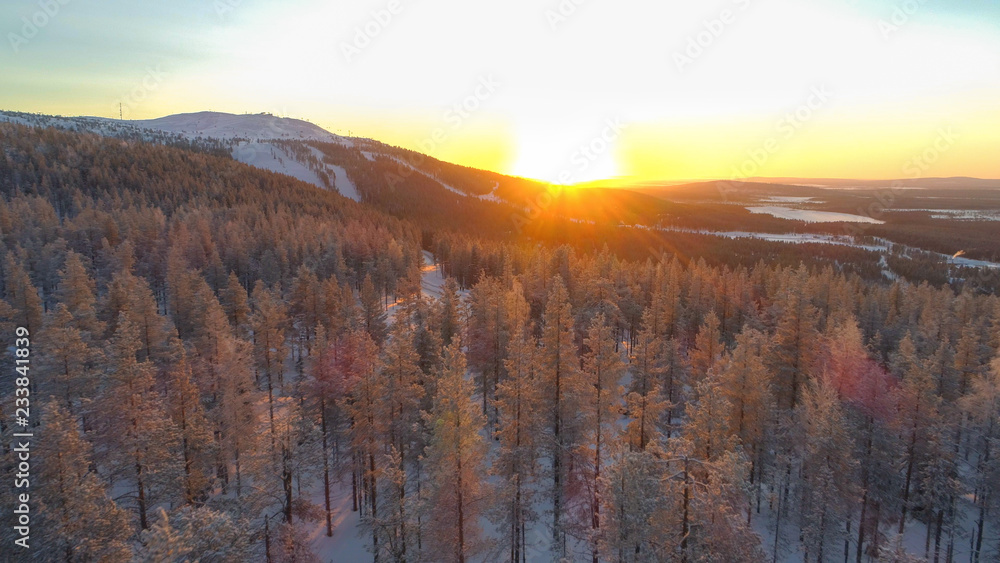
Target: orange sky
<point>564,91</point>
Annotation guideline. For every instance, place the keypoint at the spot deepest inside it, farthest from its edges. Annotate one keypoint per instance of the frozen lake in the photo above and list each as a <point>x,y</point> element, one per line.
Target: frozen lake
<point>811,216</point>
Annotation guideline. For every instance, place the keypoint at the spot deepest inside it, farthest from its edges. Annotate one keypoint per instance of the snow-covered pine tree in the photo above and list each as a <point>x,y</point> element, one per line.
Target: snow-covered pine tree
<point>305,307</point>
<point>269,323</point>
<point>828,488</point>
<point>22,295</point>
<point>77,292</point>
<point>137,438</point>
<point>522,421</point>
<point>708,347</point>
<point>645,403</point>
<point>600,404</point>
<point>236,304</point>
<point>983,405</point>
<point>748,384</point>
<point>560,376</point>
<point>636,511</point>
<point>373,318</point>
<point>80,521</point>
<point>398,412</point>
<point>183,404</point>
<point>455,456</point>
<point>68,361</point>
<point>195,534</point>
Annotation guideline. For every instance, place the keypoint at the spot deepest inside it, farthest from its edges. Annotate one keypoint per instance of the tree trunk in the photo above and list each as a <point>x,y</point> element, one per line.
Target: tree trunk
<point>142,494</point>
<point>374,505</point>
<point>461,513</point>
<point>326,467</point>
<point>684,520</point>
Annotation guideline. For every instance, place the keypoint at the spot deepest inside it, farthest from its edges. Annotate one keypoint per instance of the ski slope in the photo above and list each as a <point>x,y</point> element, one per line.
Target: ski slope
<point>272,157</point>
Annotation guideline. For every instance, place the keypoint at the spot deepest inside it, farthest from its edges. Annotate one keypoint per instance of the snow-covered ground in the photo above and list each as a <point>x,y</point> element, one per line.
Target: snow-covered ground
<point>811,215</point>
<point>786,199</point>
<point>959,214</point>
<point>346,544</point>
<point>914,539</point>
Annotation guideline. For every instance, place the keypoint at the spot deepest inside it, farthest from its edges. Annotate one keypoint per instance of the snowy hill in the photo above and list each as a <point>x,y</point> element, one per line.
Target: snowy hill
<point>246,136</point>
<point>231,126</point>
<point>97,125</point>
<point>205,124</point>
<point>280,144</point>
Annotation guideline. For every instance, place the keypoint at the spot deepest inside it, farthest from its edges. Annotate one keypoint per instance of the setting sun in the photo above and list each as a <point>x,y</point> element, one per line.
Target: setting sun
<point>697,87</point>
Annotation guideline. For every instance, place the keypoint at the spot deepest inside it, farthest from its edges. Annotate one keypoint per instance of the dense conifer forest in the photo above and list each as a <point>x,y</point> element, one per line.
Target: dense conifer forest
<point>219,353</point>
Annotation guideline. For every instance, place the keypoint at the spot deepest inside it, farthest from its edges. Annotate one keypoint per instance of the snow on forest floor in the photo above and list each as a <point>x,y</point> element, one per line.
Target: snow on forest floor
<point>431,284</point>
<point>346,544</point>
<point>432,280</point>
<point>913,541</point>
